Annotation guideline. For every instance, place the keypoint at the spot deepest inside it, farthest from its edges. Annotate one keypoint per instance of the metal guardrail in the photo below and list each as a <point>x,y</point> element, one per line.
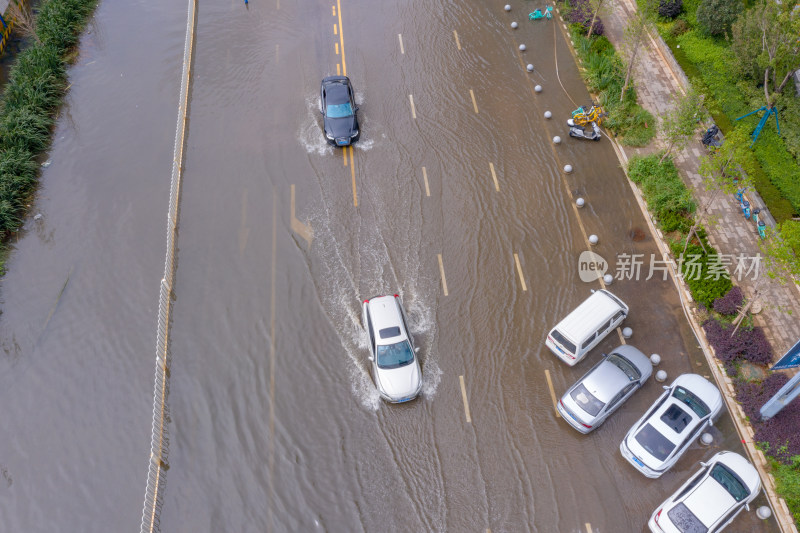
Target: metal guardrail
<point>159,442</point>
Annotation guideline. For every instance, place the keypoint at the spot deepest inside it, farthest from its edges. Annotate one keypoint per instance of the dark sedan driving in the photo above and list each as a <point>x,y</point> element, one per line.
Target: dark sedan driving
<point>338,107</point>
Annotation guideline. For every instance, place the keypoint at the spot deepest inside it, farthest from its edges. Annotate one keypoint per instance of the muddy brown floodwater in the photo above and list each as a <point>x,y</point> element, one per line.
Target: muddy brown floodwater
<point>275,424</point>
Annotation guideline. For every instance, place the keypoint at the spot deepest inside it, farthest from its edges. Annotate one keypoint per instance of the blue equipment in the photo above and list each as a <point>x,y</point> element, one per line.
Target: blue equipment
<point>746,209</point>
<point>762,229</point>
<point>537,14</point>
<point>769,111</point>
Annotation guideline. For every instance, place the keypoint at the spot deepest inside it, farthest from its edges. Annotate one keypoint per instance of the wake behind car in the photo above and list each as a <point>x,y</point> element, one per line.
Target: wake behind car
<point>658,439</point>
<point>395,366</point>
<point>337,103</point>
<point>711,498</point>
<point>604,388</point>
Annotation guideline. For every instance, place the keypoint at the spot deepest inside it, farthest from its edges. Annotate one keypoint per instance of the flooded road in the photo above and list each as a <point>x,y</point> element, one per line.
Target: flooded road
<point>275,424</point>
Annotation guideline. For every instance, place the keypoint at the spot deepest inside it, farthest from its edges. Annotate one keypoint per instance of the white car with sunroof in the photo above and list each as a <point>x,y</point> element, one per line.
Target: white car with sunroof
<point>710,499</point>
<point>395,365</point>
<point>680,415</point>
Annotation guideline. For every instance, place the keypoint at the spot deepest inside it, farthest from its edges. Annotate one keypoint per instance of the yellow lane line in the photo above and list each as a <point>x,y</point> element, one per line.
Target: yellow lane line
<point>519,271</point>
<point>400,37</point>
<point>441,270</point>
<point>552,392</point>
<point>333,11</point>
<point>425,177</point>
<point>458,43</point>
<point>413,109</point>
<point>353,174</point>
<point>341,35</point>
<point>464,397</point>
<point>336,45</point>
<point>344,156</point>
<point>494,177</point>
<point>588,527</point>
<point>474,103</point>
<point>336,29</point>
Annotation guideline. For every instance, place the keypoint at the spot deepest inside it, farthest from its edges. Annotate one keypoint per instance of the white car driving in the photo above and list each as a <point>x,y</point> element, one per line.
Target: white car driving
<point>658,439</point>
<point>395,365</point>
<point>710,499</point>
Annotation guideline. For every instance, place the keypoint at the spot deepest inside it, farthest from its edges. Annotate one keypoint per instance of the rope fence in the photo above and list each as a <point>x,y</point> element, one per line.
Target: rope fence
<point>159,442</point>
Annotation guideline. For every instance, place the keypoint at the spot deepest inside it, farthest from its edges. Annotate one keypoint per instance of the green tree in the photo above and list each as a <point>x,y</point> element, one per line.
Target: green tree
<point>715,17</point>
<point>765,42</point>
<point>678,124</point>
<point>723,171</point>
<point>781,252</point>
<point>634,34</point>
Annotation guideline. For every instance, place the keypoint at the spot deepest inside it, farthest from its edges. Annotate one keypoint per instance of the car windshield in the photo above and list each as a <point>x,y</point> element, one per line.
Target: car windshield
<point>654,442</point>
<point>623,364</point>
<point>563,341</point>
<point>340,110</point>
<point>730,482</point>
<point>696,404</point>
<point>685,521</point>
<point>676,418</point>
<point>586,400</point>
<point>395,355</point>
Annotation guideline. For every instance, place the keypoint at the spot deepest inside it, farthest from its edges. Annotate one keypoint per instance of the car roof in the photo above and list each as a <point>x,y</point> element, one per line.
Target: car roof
<point>605,381</point>
<point>384,312</point>
<point>576,327</point>
<point>665,429</point>
<point>709,501</point>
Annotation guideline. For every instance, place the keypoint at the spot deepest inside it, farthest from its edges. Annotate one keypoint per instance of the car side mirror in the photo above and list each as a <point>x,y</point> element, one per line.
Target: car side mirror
<point>747,507</point>
<point>703,464</point>
<point>666,387</point>
<point>710,421</point>
<point>371,358</point>
<point>604,355</point>
<point>357,108</point>
<point>416,349</point>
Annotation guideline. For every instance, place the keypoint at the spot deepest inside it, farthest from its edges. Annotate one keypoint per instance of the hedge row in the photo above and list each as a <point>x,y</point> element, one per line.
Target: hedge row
<point>33,94</point>
<point>671,203</point>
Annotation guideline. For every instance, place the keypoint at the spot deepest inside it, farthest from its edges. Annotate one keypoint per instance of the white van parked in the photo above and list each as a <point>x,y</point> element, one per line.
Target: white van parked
<point>586,326</point>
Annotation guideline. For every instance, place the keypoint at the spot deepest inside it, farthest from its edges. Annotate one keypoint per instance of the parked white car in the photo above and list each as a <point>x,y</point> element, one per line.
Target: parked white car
<point>658,439</point>
<point>710,499</point>
<point>395,366</point>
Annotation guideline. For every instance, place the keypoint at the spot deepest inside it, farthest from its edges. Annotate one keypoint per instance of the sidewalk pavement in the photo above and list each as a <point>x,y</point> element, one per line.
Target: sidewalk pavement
<point>658,77</point>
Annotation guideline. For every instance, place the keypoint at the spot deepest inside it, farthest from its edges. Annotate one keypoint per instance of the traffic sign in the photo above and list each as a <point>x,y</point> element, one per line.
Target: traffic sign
<point>790,359</point>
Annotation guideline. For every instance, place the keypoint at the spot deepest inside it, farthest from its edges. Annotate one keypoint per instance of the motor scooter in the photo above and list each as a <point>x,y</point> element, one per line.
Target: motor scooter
<point>582,133</point>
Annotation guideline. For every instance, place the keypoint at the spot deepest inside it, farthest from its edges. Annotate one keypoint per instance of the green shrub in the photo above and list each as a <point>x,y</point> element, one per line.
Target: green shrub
<point>787,483</point>
<point>700,269</point>
<point>717,16</point>
<point>33,93</point>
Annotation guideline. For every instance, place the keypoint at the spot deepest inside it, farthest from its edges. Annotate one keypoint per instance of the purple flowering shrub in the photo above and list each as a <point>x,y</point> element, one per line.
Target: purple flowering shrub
<point>780,433</point>
<point>749,344</point>
<point>730,303</point>
<point>580,12</point>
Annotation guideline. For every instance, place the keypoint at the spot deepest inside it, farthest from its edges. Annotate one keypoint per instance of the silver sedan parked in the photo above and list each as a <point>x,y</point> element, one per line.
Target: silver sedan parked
<point>604,388</point>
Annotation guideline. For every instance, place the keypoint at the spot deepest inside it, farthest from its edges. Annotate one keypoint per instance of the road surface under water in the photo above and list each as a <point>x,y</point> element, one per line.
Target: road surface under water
<point>275,424</point>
